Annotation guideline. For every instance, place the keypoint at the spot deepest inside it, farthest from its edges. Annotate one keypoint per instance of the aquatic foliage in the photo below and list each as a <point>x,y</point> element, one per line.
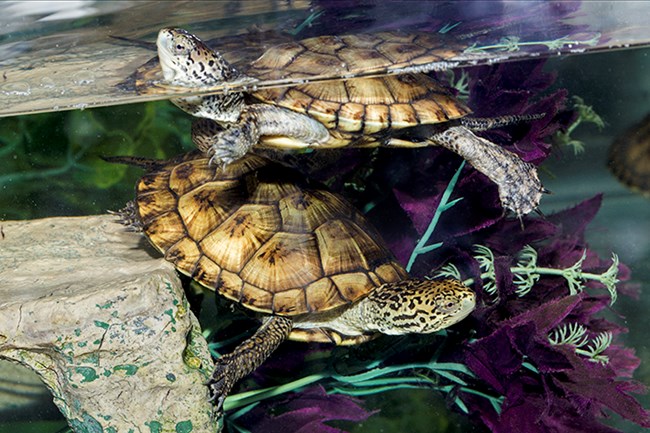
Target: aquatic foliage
<point>538,354</point>
<point>514,43</point>
<point>51,163</point>
<point>526,272</point>
<point>584,114</point>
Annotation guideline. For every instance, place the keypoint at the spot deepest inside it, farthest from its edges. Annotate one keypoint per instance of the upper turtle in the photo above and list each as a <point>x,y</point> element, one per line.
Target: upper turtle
<point>406,110</point>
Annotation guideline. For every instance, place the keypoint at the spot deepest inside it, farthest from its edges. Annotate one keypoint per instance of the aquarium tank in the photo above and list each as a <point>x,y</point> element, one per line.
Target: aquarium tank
<point>503,146</point>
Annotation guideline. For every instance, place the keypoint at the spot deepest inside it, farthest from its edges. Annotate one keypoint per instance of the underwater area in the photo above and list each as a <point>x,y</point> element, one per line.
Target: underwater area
<point>557,341</point>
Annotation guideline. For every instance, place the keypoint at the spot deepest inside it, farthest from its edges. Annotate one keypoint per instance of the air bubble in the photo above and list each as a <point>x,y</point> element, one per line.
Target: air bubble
<point>19,88</point>
<point>48,83</point>
<point>83,78</point>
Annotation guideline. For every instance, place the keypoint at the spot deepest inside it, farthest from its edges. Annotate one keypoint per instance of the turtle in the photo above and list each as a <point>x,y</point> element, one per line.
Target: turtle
<point>629,157</point>
<point>301,257</point>
<point>397,110</point>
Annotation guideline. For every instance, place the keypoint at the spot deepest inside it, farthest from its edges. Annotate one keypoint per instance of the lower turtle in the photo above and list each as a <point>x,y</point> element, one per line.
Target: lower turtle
<point>398,110</point>
<point>303,258</point>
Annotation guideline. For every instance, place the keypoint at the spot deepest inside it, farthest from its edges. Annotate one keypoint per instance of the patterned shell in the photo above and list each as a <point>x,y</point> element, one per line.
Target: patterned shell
<point>629,157</point>
<point>381,98</point>
<point>360,105</point>
<point>258,235</point>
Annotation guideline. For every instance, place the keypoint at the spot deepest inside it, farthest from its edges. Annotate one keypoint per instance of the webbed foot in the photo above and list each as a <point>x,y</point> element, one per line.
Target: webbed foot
<point>246,357</point>
<point>221,382</point>
<point>520,189</point>
<point>224,146</point>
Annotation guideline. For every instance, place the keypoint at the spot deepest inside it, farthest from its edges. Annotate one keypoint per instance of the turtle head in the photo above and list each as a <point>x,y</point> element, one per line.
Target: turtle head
<point>187,60</point>
<point>420,306</point>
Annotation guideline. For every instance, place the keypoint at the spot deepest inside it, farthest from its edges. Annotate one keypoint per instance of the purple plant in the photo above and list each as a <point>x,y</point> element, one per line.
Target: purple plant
<point>305,412</point>
<point>555,361</point>
<point>537,355</point>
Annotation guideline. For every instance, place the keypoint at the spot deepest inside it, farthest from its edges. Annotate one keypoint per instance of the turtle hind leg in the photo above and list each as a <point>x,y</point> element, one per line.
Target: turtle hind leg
<point>520,189</point>
<point>129,217</point>
<point>246,357</point>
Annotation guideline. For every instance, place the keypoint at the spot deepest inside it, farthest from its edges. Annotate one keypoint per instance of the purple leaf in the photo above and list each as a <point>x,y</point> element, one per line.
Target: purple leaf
<point>307,411</point>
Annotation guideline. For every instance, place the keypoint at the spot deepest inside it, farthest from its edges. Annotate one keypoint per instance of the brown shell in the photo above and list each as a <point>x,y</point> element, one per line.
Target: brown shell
<point>370,105</point>
<point>629,157</point>
<point>360,105</point>
<point>350,56</point>
<point>259,236</point>
<point>356,110</point>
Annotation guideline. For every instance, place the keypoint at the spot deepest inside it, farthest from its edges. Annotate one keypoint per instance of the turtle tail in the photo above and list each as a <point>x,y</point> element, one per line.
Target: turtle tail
<point>151,164</point>
<point>148,164</point>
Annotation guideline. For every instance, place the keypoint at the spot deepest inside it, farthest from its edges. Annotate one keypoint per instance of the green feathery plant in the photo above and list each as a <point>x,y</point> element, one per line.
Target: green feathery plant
<point>576,335</point>
<point>526,273</point>
<point>514,43</point>
<point>586,114</point>
<point>460,83</point>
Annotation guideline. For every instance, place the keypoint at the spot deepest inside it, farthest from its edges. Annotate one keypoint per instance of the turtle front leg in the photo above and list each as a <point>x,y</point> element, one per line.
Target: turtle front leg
<point>519,187</point>
<point>246,357</point>
<point>225,145</point>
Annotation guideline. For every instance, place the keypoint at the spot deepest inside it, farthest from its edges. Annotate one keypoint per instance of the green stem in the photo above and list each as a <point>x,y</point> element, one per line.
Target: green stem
<point>246,398</point>
<point>445,204</point>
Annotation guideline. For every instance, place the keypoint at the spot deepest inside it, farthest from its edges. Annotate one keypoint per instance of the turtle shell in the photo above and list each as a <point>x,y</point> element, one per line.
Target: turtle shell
<point>363,101</point>
<point>357,107</point>
<point>629,157</point>
<point>259,235</point>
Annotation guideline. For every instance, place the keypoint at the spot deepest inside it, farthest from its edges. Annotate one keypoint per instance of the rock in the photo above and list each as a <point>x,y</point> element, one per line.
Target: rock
<point>103,320</point>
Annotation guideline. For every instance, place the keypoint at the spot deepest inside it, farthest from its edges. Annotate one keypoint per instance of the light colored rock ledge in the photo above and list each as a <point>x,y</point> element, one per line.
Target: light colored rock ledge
<point>105,324</point>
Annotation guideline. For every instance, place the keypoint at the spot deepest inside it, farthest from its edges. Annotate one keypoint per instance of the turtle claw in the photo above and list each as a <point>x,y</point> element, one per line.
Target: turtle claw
<point>224,146</point>
<point>222,156</point>
<point>220,384</point>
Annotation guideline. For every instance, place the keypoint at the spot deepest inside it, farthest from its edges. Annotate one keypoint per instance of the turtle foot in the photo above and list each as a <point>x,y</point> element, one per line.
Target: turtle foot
<point>220,383</point>
<point>231,144</point>
<point>520,189</point>
<point>222,157</point>
<point>224,146</point>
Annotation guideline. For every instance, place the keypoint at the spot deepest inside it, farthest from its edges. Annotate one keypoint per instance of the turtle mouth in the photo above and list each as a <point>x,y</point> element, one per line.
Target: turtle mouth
<point>164,43</point>
<point>467,305</point>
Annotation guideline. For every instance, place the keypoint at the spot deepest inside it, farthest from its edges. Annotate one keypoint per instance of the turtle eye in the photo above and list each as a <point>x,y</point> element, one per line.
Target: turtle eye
<point>448,306</point>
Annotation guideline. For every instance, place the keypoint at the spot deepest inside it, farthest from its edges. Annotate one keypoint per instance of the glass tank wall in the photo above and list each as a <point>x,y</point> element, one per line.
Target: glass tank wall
<point>557,338</point>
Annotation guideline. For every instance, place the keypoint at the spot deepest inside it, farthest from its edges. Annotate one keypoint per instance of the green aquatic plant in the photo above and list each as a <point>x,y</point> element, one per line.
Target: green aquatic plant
<point>422,246</point>
<point>451,378</point>
<point>526,272</point>
<point>514,43</point>
<point>585,114</point>
<point>54,160</point>
<point>576,335</point>
<point>372,380</point>
<point>458,81</point>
